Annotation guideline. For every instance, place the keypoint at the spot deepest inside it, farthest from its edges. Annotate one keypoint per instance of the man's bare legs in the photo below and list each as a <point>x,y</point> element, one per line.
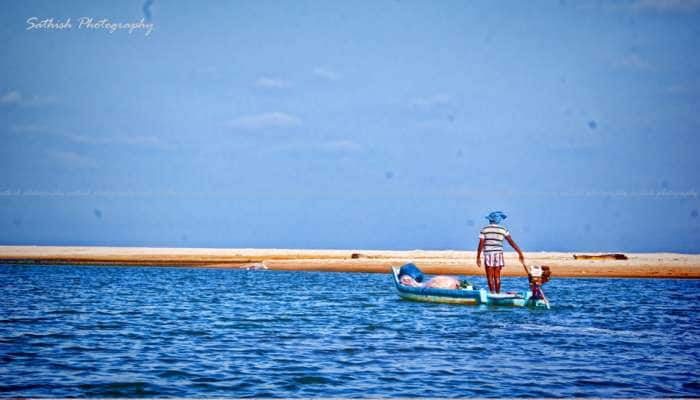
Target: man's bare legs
<point>488,277</point>
<point>493,277</point>
<point>497,279</point>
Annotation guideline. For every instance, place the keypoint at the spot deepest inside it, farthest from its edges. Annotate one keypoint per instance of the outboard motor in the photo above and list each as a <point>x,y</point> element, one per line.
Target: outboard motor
<point>541,274</point>
<point>538,276</point>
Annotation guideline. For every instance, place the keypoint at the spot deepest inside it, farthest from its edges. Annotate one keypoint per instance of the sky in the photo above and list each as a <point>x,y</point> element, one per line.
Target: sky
<point>363,125</point>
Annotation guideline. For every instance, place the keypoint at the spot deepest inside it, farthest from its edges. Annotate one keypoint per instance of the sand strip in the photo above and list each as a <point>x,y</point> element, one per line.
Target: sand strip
<point>638,265</point>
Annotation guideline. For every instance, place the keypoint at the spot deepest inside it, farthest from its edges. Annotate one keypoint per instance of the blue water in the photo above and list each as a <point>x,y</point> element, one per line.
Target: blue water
<point>141,332</point>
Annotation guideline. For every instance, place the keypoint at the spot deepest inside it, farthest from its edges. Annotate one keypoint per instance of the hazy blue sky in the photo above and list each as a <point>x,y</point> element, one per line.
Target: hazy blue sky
<point>375,124</point>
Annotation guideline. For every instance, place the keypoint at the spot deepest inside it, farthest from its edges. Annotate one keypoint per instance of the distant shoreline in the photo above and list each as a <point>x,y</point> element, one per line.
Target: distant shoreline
<point>638,265</point>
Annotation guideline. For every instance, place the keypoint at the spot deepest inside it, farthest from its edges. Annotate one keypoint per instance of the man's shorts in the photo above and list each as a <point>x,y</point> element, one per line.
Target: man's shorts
<point>494,259</point>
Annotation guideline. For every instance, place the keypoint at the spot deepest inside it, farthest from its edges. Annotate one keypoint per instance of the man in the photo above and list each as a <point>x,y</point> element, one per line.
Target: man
<point>491,243</point>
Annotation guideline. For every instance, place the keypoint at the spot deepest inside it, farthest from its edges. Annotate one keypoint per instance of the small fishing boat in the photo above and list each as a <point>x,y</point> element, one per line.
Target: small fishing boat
<point>469,296</point>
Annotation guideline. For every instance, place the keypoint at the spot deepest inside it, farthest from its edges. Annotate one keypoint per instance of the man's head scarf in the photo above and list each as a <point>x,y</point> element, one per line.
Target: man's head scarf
<point>496,217</point>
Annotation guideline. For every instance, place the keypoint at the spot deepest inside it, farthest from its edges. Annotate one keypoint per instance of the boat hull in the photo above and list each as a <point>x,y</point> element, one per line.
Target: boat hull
<point>461,296</point>
<point>438,299</point>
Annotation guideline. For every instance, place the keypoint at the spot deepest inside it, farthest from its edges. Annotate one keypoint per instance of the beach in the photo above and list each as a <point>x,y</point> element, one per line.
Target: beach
<point>563,264</point>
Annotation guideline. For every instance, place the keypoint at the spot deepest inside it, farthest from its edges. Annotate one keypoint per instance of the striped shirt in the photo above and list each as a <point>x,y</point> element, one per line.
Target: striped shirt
<point>493,236</point>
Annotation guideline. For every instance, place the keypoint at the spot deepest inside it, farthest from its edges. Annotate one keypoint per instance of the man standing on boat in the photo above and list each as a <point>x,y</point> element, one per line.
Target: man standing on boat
<point>491,243</point>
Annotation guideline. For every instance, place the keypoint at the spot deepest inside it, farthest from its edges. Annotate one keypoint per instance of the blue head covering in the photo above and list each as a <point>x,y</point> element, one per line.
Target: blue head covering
<point>496,217</point>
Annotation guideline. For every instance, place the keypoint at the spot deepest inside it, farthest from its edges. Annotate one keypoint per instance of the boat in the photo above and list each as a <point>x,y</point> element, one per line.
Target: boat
<point>468,296</point>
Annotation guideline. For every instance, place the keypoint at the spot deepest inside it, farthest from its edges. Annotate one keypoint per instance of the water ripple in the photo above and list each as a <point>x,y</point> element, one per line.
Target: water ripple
<point>159,332</point>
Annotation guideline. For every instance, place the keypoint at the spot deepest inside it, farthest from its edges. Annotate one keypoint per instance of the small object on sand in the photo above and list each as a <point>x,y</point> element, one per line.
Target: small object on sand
<point>357,255</point>
<point>616,256</point>
<point>254,267</point>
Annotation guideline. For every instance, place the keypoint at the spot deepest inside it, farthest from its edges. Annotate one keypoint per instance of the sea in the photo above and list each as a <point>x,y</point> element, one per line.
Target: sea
<point>139,332</point>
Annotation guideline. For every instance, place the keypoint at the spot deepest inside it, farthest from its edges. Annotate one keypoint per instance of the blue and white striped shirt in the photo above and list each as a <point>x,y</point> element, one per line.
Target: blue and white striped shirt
<point>493,236</point>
